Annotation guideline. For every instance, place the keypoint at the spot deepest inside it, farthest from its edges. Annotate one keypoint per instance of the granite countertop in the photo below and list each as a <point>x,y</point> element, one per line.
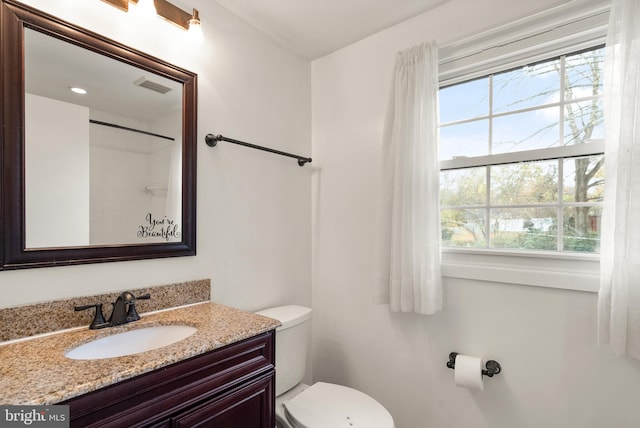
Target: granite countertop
<point>36,371</point>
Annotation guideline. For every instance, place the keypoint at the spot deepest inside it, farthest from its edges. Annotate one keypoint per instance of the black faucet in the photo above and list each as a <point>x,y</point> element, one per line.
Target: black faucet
<point>120,308</point>
<point>124,311</point>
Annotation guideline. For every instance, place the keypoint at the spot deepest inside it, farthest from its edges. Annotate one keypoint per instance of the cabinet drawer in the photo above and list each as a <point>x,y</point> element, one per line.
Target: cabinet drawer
<point>155,396</point>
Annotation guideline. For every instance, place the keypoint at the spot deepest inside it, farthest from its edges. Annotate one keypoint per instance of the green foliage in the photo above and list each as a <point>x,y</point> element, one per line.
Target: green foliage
<point>523,183</point>
<point>589,244</point>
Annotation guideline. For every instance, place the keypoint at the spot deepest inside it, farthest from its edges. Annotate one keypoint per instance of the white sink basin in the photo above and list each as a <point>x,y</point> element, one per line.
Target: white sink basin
<point>131,342</point>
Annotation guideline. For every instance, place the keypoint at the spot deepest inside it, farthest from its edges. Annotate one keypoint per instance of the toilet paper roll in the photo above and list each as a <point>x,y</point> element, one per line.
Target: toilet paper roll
<point>468,372</point>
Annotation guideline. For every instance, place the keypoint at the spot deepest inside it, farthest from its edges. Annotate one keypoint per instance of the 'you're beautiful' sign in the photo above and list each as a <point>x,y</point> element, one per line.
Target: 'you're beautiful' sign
<point>164,228</point>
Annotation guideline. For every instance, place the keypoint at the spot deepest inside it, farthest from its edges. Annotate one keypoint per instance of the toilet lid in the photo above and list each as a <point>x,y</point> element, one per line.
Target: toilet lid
<point>327,405</point>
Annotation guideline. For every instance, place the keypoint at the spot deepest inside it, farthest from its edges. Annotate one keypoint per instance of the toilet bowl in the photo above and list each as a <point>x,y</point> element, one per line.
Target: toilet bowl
<point>281,400</point>
<point>321,405</point>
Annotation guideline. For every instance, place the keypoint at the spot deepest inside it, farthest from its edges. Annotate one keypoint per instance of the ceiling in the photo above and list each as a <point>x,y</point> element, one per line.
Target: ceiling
<point>314,28</point>
<point>52,66</point>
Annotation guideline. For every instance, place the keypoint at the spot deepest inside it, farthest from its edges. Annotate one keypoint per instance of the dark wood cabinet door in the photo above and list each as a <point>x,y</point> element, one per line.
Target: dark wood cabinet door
<point>246,407</point>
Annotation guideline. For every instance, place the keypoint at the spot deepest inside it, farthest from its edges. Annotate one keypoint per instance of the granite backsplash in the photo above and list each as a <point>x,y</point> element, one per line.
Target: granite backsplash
<point>29,320</point>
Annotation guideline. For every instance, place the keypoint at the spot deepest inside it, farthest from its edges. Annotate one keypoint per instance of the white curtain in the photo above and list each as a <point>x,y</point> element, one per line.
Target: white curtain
<point>619,297</point>
<point>408,251</point>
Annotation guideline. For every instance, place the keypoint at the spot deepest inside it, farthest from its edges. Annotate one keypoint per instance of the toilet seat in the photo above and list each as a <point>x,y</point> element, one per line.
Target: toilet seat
<point>328,405</point>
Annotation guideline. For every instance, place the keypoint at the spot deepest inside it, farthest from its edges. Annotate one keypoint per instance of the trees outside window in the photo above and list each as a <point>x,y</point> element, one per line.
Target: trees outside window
<point>521,157</point>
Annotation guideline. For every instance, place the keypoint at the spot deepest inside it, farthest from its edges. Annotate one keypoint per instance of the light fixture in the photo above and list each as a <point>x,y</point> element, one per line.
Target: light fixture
<point>187,21</point>
<point>195,28</point>
<point>78,90</point>
<point>146,7</point>
<point>120,4</point>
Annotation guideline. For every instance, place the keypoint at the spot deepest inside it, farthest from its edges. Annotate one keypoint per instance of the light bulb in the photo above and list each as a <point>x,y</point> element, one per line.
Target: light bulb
<point>146,8</point>
<point>195,28</point>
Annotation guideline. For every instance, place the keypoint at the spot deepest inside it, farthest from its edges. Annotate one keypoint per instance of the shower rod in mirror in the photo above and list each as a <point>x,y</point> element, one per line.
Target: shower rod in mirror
<point>212,141</point>
<point>38,54</point>
<point>126,128</point>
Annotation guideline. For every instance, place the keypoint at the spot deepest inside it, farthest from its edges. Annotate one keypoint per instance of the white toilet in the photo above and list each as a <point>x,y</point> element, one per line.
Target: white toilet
<point>321,405</point>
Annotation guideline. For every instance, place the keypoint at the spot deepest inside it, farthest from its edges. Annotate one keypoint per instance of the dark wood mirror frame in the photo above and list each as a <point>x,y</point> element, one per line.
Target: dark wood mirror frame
<point>14,18</point>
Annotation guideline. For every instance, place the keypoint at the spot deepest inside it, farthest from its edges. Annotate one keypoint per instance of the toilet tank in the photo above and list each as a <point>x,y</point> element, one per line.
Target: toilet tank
<point>292,343</point>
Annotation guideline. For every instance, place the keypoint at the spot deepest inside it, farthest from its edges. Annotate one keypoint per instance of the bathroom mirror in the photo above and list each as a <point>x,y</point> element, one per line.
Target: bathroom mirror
<point>98,144</point>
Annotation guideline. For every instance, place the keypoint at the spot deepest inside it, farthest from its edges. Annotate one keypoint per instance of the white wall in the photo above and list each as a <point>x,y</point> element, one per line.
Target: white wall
<point>253,228</point>
<point>57,173</point>
<point>555,375</point>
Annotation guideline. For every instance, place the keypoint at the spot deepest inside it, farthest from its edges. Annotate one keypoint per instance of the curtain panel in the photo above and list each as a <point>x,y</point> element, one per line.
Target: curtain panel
<point>619,296</point>
<point>408,251</point>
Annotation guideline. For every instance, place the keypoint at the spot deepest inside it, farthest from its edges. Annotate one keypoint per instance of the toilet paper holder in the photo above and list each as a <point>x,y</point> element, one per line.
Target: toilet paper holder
<point>492,367</point>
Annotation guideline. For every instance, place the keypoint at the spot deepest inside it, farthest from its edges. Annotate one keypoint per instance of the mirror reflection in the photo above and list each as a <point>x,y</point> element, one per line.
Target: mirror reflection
<point>103,149</point>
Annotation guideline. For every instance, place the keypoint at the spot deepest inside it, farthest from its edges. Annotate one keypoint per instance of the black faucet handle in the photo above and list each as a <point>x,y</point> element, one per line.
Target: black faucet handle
<point>132,313</point>
<point>98,318</point>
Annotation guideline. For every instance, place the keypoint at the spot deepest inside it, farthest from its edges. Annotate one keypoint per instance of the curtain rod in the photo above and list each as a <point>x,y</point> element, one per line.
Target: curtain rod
<point>212,140</point>
<point>139,131</point>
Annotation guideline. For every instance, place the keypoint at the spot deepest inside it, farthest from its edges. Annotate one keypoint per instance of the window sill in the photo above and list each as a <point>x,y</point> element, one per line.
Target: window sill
<point>579,272</point>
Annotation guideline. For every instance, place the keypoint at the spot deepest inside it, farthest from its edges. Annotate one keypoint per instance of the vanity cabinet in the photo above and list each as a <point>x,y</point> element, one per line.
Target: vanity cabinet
<point>230,387</point>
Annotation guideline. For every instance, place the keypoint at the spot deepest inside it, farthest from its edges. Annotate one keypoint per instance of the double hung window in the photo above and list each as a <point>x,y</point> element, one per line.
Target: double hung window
<point>521,152</point>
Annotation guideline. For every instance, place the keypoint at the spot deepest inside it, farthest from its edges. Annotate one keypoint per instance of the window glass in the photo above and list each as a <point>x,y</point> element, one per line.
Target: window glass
<point>463,187</point>
<point>531,228</point>
<point>581,229</point>
<point>455,105</point>
<point>521,173</point>
<point>584,74</point>
<point>531,130</point>
<point>526,87</point>
<point>583,121</point>
<point>464,139</point>
<point>583,179</point>
<point>524,183</point>
<point>463,228</point>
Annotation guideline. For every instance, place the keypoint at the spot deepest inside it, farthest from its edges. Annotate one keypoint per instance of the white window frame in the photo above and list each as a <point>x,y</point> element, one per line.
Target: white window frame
<point>560,31</point>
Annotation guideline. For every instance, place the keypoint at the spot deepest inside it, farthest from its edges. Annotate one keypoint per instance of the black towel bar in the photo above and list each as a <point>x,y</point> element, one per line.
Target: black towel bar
<point>212,140</point>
